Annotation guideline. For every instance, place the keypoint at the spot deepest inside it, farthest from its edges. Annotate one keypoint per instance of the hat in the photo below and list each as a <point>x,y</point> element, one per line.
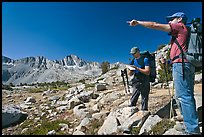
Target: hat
<point>177,14</point>
<point>134,50</point>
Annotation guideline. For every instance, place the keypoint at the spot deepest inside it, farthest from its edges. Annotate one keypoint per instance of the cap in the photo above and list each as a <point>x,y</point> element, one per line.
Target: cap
<point>134,50</point>
<point>177,14</point>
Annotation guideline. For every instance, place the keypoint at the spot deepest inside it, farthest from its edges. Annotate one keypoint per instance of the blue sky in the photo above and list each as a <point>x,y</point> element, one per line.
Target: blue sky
<point>94,31</point>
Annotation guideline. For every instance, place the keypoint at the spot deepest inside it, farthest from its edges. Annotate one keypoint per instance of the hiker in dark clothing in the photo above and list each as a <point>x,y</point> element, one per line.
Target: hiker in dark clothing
<point>140,82</point>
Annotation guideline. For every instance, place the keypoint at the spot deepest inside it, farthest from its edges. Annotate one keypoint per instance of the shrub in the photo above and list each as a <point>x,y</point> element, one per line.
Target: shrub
<point>161,127</point>
<point>46,126</point>
<point>163,75</point>
<point>89,85</point>
<point>161,72</point>
<point>105,66</point>
<point>7,87</point>
<point>93,127</point>
<point>135,130</point>
<point>82,81</point>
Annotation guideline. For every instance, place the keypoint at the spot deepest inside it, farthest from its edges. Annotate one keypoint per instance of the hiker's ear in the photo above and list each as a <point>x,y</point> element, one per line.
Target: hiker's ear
<point>179,19</point>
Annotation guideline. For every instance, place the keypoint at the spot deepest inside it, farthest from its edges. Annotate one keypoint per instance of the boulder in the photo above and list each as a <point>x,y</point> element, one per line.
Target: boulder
<point>137,119</point>
<point>30,100</point>
<point>12,115</point>
<point>149,123</point>
<point>109,126</point>
<point>100,87</point>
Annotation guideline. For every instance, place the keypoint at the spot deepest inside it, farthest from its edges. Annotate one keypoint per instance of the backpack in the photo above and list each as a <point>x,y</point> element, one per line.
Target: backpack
<point>194,43</point>
<point>152,64</point>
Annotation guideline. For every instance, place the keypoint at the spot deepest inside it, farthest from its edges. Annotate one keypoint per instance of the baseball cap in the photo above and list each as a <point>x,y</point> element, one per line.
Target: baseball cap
<point>134,50</point>
<point>177,14</point>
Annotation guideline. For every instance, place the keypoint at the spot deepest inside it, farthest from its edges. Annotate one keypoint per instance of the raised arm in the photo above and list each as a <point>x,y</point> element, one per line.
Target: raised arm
<point>149,24</point>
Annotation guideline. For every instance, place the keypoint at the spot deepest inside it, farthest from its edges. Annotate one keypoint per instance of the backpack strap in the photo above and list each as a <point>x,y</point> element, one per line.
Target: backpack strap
<point>141,61</point>
<point>180,55</point>
<point>139,75</point>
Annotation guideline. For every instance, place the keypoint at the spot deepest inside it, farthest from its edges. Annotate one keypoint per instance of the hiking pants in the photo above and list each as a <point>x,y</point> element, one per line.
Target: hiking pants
<point>142,88</point>
<point>184,93</point>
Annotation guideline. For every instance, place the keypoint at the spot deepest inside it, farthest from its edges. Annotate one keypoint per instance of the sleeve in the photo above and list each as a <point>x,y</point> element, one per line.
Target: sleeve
<point>146,61</point>
<point>175,28</point>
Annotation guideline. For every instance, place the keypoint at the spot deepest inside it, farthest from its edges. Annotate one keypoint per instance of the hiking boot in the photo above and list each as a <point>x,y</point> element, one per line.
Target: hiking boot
<point>133,111</point>
<point>179,127</point>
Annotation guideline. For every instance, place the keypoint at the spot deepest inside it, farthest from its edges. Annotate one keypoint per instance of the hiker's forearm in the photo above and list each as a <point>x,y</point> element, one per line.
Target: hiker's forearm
<point>144,71</point>
<point>154,25</point>
<point>147,24</point>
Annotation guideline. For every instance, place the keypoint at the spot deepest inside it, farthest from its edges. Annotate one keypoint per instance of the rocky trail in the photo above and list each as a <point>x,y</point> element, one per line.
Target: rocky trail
<point>88,111</point>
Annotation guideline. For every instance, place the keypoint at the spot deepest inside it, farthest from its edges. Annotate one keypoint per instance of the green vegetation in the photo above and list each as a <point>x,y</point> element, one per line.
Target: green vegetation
<point>89,85</point>
<point>161,72</point>
<point>36,90</point>
<point>40,87</point>
<point>45,127</point>
<point>7,87</point>
<point>163,75</point>
<point>105,66</point>
<point>135,130</point>
<point>93,127</point>
<point>161,127</point>
<point>82,81</point>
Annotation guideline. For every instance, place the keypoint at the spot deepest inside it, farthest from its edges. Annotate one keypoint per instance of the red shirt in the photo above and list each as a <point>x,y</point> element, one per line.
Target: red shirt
<point>179,31</point>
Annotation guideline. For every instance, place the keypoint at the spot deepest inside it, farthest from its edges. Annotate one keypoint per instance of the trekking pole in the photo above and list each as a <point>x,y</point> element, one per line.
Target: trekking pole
<point>171,107</point>
<point>125,71</point>
<point>163,61</point>
<point>122,74</point>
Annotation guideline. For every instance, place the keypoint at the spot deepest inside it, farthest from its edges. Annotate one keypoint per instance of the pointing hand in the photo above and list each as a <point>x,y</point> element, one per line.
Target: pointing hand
<point>132,22</point>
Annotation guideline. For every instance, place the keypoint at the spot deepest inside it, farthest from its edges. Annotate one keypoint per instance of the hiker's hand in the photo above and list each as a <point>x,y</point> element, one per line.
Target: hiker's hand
<point>134,66</point>
<point>130,72</point>
<point>133,22</point>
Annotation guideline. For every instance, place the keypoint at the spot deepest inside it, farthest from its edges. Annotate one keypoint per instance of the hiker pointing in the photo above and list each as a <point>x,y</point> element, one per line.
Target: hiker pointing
<point>140,82</point>
<point>183,71</point>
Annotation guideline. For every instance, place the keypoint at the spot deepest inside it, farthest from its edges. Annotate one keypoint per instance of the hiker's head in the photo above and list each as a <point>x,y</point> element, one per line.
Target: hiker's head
<point>135,51</point>
<point>177,17</point>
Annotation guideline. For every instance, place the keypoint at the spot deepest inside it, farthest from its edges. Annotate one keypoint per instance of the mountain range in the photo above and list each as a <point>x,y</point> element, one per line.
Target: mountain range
<point>40,69</point>
<point>69,69</point>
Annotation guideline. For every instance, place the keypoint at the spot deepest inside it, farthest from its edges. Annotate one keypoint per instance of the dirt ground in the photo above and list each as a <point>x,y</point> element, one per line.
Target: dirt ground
<point>155,95</point>
<point>158,92</point>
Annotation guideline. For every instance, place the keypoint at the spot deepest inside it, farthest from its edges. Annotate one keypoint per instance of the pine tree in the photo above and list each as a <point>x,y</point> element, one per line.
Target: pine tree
<point>105,66</point>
